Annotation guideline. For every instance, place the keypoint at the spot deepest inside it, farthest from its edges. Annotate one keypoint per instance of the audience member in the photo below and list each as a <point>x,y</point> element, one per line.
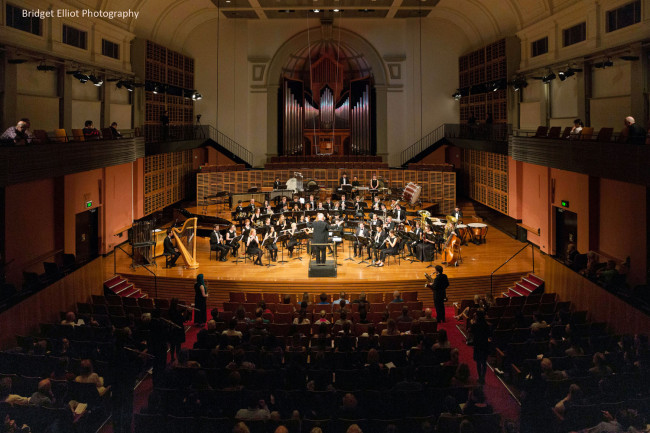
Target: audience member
<point>635,133</point>
<point>576,129</point>
<point>71,319</point>
<point>19,134</point>
<point>443,341</point>
<point>428,316</point>
<point>114,132</point>
<point>476,404</point>
<point>87,375</point>
<point>256,410</point>
<point>90,132</point>
<point>391,328</point>
<point>573,397</point>
<point>405,318</point>
<point>548,373</point>
<point>43,396</point>
<point>397,297</point>
<point>5,393</point>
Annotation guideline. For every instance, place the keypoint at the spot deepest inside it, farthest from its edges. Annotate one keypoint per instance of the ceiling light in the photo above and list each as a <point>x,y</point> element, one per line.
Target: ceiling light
<point>548,78</point>
<point>336,10</point>
<point>457,95</point>
<point>316,11</point>
<point>16,61</point>
<point>81,76</point>
<point>43,67</point>
<point>96,81</point>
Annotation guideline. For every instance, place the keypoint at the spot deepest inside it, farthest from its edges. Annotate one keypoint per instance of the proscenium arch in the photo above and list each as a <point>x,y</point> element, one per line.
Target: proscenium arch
<point>298,42</point>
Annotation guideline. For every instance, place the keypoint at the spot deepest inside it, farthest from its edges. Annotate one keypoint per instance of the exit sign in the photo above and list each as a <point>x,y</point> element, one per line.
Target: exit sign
<point>564,203</point>
<point>89,204</point>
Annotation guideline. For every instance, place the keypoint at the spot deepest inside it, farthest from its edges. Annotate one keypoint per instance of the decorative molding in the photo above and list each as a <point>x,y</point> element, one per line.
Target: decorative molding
<point>258,72</point>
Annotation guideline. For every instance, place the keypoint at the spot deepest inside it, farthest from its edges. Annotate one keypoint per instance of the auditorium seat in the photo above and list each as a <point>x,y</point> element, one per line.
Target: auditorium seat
<point>78,135</point>
<point>541,132</point>
<point>41,136</point>
<point>60,136</point>
<point>587,133</point>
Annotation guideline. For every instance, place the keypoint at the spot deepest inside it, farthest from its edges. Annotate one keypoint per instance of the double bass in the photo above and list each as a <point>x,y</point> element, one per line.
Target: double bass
<point>451,251</point>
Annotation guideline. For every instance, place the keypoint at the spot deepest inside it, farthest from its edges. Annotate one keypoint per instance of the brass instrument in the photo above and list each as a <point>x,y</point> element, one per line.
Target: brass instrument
<point>429,278</point>
<point>424,214</point>
<point>452,219</point>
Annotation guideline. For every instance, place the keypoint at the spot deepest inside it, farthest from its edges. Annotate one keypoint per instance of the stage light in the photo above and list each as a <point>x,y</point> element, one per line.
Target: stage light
<point>96,81</point>
<point>519,83</point>
<point>548,78</point>
<point>316,11</point>
<point>43,67</point>
<point>336,10</point>
<point>457,95</point>
<point>81,76</point>
<point>604,64</point>
<point>196,96</point>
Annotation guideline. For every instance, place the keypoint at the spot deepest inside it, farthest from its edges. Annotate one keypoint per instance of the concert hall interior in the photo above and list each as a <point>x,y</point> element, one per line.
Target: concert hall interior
<point>233,155</point>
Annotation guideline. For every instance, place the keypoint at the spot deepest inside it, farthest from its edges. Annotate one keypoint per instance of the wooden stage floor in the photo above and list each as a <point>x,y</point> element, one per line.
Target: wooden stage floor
<point>470,277</point>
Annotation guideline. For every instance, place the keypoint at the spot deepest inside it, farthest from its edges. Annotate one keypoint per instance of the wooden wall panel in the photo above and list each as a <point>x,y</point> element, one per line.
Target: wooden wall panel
<point>45,306</point>
<point>585,295</point>
<point>485,177</point>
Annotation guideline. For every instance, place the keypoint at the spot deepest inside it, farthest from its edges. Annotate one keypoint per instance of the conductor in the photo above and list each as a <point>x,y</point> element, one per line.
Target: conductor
<point>169,250</point>
<point>321,232</point>
<point>439,288</point>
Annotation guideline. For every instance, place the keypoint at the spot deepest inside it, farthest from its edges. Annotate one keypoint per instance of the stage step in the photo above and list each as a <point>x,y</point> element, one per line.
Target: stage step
<point>528,285</point>
<point>512,293</point>
<point>122,287</point>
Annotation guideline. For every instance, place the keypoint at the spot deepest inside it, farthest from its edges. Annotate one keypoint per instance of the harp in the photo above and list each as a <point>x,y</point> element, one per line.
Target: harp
<point>186,242</point>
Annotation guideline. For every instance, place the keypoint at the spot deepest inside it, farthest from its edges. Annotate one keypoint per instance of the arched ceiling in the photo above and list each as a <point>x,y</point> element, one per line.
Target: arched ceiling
<point>170,21</point>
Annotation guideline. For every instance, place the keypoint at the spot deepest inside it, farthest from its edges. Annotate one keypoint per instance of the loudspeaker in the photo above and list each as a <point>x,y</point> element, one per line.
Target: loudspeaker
<point>327,269</point>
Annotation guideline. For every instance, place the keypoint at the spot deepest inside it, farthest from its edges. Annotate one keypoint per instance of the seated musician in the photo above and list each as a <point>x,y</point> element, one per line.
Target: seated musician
<point>245,231</point>
<point>378,243</point>
<point>253,247</point>
<point>458,214</point>
<point>252,207</point>
<point>344,180</point>
<point>425,250</point>
<point>240,212</point>
<point>267,224</point>
<point>231,234</point>
<point>375,221</point>
<point>374,183</point>
<point>281,224</point>
<point>308,207</point>
<point>398,213</point>
<point>272,247</point>
<point>412,244</point>
<point>450,228</point>
<point>216,244</point>
<point>328,204</point>
<point>293,240</point>
<point>361,232</point>
<point>257,218</point>
<point>169,250</point>
<point>355,181</point>
<point>321,207</point>
<point>277,184</point>
<point>383,210</point>
<point>359,206</point>
<point>390,224</point>
<point>282,204</point>
<point>296,207</point>
<point>393,203</point>
<point>312,201</point>
<point>342,204</point>
<point>391,247</point>
<point>376,205</point>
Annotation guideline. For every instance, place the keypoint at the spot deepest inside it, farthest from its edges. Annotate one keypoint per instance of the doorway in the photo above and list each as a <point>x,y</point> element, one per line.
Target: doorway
<point>566,231</point>
<point>87,235</point>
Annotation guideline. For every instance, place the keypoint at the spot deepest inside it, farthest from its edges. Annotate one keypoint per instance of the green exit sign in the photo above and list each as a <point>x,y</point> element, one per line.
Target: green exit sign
<point>89,204</point>
<point>564,203</point>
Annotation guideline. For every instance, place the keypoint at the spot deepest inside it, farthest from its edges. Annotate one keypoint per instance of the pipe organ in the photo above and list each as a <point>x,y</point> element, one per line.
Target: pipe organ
<point>327,112</point>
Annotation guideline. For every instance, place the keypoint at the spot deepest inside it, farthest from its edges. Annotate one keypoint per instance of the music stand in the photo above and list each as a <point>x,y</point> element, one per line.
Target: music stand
<point>236,239</point>
<point>299,237</point>
<point>350,238</point>
<point>364,244</point>
<point>281,239</point>
<point>266,242</point>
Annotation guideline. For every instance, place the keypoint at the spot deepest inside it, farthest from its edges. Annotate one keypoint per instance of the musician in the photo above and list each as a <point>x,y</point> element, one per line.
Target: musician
<point>342,204</point>
<point>391,248</point>
<point>328,204</point>
<point>320,207</point>
<point>293,240</point>
<point>312,201</point>
<point>277,184</point>
<point>458,214</point>
<point>344,180</point>
<point>426,249</point>
<point>393,203</point>
<point>376,205</point>
<point>246,230</point>
<point>296,207</point>
<point>231,234</point>
<point>449,230</point>
<point>355,181</point>
<point>216,244</point>
<point>390,224</point>
<point>281,224</point>
<point>252,207</point>
<point>412,244</point>
<point>253,247</point>
<point>360,232</point>
<point>272,247</point>
<point>283,203</point>
<point>375,221</point>
<point>383,211</point>
<point>267,225</point>
<point>170,250</point>
<point>321,233</point>
<point>439,288</point>
<point>378,243</point>
<point>398,213</point>
<point>257,218</point>
<point>342,198</point>
<point>374,183</point>
<point>240,212</point>
<point>359,206</point>
<point>308,207</point>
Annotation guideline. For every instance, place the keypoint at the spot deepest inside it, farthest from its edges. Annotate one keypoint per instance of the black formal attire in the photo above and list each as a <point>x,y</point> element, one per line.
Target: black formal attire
<point>216,245</point>
<point>355,183</point>
<point>359,206</point>
<point>245,231</point>
<point>170,250</point>
<point>439,288</point>
<point>320,236</point>
<point>389,226</point>
<point>480,331</point>
<point>635,134</point>
<point>458,215</point>
<point>200,304</point>
<point>255,218</point>
<point>176,335</point>
<point>379,243</point>
<point>231,243</point>
<point>280,206</point>
<point>312,204</point>
<point>411,245</point>
<point>272,247</point>
<point>292,242</point>
<point>239,214</point>
<point>254,249</point>
<point>278,185</point>
<point>399,214</point>
<point>376,206</point>
<point>362,233</point>
<point>251,209</point>
<point>115,133</point>
<point>126,366</point>
<point>389,250</point>
<point>426,250</point>
<point>344,181</point>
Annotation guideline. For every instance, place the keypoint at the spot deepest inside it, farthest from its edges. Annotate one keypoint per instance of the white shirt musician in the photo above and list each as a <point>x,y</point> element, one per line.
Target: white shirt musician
<point>328,204</point>
<point>458,214</point>
<point>277,184</point>
<point>398,213</point>
<point>417,231</point>
<point>376,205</point>
<point>252,207</point>
<point>312,202</point>
<point>360,232</point>
<point>345,180</point>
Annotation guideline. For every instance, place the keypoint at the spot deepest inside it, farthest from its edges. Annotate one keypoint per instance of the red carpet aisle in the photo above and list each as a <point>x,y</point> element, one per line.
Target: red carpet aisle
<point>496,393</point>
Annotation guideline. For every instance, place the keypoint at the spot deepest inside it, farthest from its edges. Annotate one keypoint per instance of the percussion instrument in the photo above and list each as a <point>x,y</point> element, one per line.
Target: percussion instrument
<point>478,232</point>
<point>463,231</point>
<point>412,193</point>
<point>295,183</point>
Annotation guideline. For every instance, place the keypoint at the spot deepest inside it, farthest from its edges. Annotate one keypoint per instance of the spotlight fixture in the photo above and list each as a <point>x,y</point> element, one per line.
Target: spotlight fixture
<point>16,61</point>
<point>196,96</point>
<point>457,95</point>
<point>81,76</point>
<point>316,11</point>
<point>44,67</point>
<point>519,83</point>
<point>336,10</point>
<point>96,81</point>
<point>548,77</point>
<point>629,58</point>
<point>604,64</point>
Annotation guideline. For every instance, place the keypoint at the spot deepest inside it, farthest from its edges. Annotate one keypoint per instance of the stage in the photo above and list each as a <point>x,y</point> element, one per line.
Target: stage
<point>469,277</point>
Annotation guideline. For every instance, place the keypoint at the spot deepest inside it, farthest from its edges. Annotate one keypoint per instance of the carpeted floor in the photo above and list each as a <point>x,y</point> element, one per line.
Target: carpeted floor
<point>497,394</point>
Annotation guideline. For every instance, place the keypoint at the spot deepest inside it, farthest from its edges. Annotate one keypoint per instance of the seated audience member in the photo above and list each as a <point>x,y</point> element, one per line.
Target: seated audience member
<point>391,328</point>
<point>548,373</point>
<point>256,410</point>
<point>323,299</point>
<point>405,315</point>
<point>238,362</point>
<point>302,318</point>
<point>362,301</point>
<point>6,395</point>
<point>234,381</point>
<point>476,404</point>
<point>343,319</point>
<point>184,360</point>
<point>116,134</point>
<point>18,135</point>
<point>574,396</point>
<point>363,317</point>
<point>592,265</point>
<point>571,253</point>
<point>354,428</point>
<point>454,358</point>
<point>607,275</point>
<point>397,297</point>
<point>626,420</point>
<point>71,319</point>
<point>576,129</point>
<point>635,133</point>
<point>538,323</point>
<point>342,297</point>
<point>231,331</point>
<point>574,348</point>
<point>240,427</point>
<point>43,396</point>
<point>465,313</point>
<point>462,377</point>
<point>60,371</point>
<point>87,375</point>
<point>443,341</point>
<point>428,316</point>
<point>349,408</point>
<point>322,318</point>
<point>600,368</point>
<point>90,132</point>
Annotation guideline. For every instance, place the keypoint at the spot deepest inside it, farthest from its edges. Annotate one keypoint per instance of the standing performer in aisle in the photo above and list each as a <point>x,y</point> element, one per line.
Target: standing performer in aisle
<point>439,288</point>
<point>200,298</point>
